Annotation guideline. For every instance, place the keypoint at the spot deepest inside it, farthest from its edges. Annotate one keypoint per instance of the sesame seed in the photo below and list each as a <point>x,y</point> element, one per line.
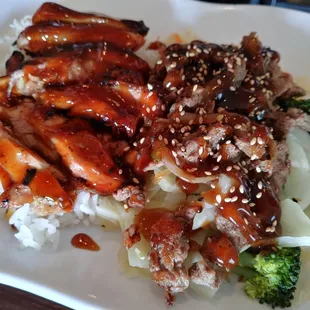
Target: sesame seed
<point>136,180</point>
<point>232,88</point>
<point>252,82</point>
<point>192,54</point>
<point>274,223</point>
<point>168,84</point>
<point>173,65</point>
<point>246,221</point>
<point>218,54</point>
<point>212,186</point>
<point>232,189</point>
<point>260,140</point>
<point>120,171</point>
<point>182,113</point>
<point>195,87</point>
<point>258,169</point>
<point>254,156</point>
<point>198,50</point>
<point>227,199</point>
<point>229,65</point>
<point>127,148</point>
<point>142,140</point>
<point>180,108</point>
<point>166,141</point>
<point>215,168</point>
<point>259,195</point>
<point>183,149</point>
<point>219,82</point>
<point>126,206</point>
<point>235,198</point>
<point>241,189</point>
<point>238,126</point>
<point>200,120</point>
<point>229,168</point>
<point>226,60</point>
<point>236,167</point>
<point>220,117</point>
<point>163,108</point>
<point>159,62</point>
<point>200,150</point>
<point>177,120</point>
<point>252,100</point>
<point>183,77</point>
<point>135,144</point>
<point>173,88</point>
<point>218,198</point>
<point>244,200</point>
<point>148,110</point>
<point>228,142</point>
<point>160,137</point>
<point>219,158</point>
<point>253,141</point>
<point>205,51</point>
<point>154,108</point>
<point>260,185</point>
<point>174,154</point>
<point>172,130</point>
<point>208,173</point>
<point>251,204</point>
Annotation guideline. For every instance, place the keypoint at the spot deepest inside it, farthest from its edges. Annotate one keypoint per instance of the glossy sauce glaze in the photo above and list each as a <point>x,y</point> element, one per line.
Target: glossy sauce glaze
<point>146,218</point>
<point>186,187</point>
<point>84,242</point>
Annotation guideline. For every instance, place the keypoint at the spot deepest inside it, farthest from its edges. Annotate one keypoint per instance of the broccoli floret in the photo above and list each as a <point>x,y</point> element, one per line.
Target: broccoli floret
<point>296,103</point>
<point>276,276</point>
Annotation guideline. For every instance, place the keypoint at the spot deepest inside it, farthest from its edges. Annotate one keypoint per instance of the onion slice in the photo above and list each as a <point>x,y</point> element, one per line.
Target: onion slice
<point>180,173</point>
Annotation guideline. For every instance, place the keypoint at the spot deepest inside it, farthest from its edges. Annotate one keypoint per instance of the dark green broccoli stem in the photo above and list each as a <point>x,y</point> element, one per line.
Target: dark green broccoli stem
<point>246,260</point>
<point>296,103</point>
<point>244,272</point>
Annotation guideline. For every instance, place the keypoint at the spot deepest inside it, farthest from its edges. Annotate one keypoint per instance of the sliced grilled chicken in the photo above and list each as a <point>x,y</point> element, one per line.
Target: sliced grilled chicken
<point>40,38</point>
<point>79,65</point>
<point>119,104</point>
<point>33,179</point>
<point>55,12</point>
<point>81,151</point>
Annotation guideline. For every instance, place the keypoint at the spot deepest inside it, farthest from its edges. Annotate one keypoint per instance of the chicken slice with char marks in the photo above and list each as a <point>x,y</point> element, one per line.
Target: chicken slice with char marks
<point>33,180</point>
<point>14,62</point>
<point>118,104</point>
<point>41,38</point>
<point>54,12</point>
<point>19,119</point>
<point>79,65</point>
<point>81,151</point>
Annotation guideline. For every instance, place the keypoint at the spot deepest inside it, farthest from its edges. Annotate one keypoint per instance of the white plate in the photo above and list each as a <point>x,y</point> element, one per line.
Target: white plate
<point>86,280</point>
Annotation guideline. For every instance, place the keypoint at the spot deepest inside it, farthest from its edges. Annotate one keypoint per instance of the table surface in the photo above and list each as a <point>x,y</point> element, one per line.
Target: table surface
<point>10,299</point>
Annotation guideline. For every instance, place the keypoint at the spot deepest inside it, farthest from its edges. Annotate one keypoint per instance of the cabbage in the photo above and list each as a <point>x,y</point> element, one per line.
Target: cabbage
<point>299,178</point>
<point>166,180</point>
<point>295,225</point>
<point>138,254</point>
<point>205,217</point>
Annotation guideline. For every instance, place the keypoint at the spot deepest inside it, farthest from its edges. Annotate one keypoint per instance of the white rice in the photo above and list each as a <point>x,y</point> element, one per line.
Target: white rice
<point>36,232</point>
<point>16,27</point>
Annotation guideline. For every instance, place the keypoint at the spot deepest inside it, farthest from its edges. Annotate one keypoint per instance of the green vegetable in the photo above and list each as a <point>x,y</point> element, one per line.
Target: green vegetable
<point>296,103</point>
<point>275,278</point>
